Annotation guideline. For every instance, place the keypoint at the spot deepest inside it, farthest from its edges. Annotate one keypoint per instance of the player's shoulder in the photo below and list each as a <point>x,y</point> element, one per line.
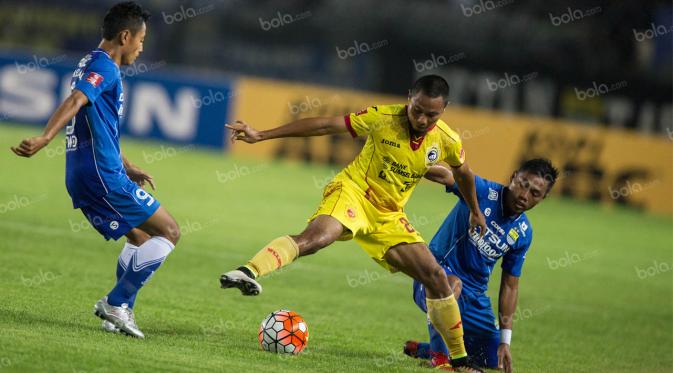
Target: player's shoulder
<point>392,110</point>
<point>525,227</point>
<point>101,62</point>
<point>494,188</point>
<point>444,130</point>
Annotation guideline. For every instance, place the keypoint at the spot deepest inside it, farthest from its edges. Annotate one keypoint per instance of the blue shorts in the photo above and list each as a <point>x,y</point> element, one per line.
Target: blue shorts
<point>482,337</point>
<point>119,211</point>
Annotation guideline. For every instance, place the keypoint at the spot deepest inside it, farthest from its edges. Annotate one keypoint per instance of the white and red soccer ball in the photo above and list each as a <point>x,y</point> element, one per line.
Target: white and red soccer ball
<point>283,332</point>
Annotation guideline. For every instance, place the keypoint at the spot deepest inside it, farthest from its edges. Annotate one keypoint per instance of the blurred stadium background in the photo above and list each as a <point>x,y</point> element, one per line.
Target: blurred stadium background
<point>587,84</point>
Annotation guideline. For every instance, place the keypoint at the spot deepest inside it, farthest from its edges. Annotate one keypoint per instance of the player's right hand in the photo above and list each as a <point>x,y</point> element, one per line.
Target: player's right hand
<point>30,146</point>
<point>242,131</point>
<point>504,358</point>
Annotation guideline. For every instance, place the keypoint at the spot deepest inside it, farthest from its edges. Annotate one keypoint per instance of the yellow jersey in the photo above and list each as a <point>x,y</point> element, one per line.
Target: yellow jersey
<point>392,161</point>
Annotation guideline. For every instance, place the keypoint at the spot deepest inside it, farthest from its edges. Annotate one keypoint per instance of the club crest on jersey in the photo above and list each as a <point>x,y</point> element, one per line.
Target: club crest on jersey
<point>492,194</point>
<point>523,227</point>
<point>487,212</point>
<point>351,213</point>
<point>94,79</point>
<point>114,225</point>
<point>432,155</point>
<point>512,236</point>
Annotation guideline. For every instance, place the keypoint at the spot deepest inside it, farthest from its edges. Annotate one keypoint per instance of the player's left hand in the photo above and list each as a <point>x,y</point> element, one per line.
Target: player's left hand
<point>140,177</point>
<point>478,220</point>
<point>504,358</point>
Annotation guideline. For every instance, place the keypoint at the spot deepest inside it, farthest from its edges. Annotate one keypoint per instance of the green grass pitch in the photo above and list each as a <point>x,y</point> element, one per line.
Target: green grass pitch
<point>595,295</point>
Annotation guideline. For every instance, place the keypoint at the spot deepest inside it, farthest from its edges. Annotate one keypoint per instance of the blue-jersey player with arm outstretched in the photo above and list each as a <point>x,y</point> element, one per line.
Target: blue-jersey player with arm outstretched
<point>468,261</point>
<point>102,183</point>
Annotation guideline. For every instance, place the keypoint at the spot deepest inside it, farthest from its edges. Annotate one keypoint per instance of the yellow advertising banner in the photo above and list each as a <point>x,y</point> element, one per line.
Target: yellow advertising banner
<point>611,166</point>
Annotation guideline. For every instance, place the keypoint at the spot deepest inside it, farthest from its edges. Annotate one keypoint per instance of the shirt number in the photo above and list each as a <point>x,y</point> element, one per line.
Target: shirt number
<point>143,195</point>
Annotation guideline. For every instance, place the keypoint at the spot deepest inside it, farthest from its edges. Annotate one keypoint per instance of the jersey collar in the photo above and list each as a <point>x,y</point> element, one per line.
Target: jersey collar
<point>103,51</point>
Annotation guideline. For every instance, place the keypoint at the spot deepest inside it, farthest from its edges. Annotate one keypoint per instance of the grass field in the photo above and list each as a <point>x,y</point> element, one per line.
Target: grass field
<point>596,294</point>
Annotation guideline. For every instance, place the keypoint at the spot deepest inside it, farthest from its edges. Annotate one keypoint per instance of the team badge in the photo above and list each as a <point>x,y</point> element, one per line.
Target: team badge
<point>487,212</point>
<point>351,213</point>
<point>523,227</point>
<point>512,236</point>
<point>432,155</point>
<point>94,79</point>
<point>114,225</point>
<point>492,194</point>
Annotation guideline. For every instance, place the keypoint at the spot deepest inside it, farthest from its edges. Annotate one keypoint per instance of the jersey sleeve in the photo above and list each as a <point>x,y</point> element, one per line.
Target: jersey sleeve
<point>98,78</point>
<point>361,122</point>
<point>512,262</point>
<point>455,155</point>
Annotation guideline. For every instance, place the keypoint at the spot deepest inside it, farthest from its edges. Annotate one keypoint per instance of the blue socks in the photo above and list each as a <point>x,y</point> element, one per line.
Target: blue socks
<point>140,264</point>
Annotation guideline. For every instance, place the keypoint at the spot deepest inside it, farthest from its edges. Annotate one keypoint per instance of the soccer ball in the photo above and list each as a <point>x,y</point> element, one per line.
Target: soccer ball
<point>283,332</point>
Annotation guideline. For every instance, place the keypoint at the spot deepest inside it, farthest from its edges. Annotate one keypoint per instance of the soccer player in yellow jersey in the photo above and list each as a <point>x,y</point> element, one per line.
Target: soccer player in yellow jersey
<point>365,201</point>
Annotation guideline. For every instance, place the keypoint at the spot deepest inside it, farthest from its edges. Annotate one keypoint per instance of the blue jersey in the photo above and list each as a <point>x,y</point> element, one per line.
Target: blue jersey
<point>93,158</point>
<point>472,258</point>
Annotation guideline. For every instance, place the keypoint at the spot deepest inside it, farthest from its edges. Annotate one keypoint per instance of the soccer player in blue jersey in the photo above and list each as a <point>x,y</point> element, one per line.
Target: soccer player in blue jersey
<point>468,261</point>
<point>102,183</point>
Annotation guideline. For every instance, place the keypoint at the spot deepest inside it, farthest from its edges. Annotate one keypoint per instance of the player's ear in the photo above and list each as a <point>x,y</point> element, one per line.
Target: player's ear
<point>124,37</point>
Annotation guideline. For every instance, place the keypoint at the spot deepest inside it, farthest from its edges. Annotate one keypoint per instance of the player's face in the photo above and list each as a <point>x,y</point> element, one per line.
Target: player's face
<point>526,190</point>
<point>424,111</point>
<point>133,46</point>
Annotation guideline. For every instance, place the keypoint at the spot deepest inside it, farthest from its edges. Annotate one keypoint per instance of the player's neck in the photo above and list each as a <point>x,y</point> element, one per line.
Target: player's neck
<point>112,50</point>
<point>507,196</point>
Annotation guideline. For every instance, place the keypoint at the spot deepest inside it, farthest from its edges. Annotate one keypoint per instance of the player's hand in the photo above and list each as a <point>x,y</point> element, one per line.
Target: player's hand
<point>242,131</point>
<point>30,146</point>
<point>478,220</point>
<point>504,358</point>
<point>140,177</point>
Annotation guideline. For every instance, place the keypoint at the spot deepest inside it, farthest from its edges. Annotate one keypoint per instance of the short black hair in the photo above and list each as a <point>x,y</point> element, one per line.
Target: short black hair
<point>433,86</point>
<point>127,15</point>
<point>543,168</point>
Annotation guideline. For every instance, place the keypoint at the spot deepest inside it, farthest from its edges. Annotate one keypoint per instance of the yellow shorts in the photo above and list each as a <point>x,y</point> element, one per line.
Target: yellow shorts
<point>374,230</point>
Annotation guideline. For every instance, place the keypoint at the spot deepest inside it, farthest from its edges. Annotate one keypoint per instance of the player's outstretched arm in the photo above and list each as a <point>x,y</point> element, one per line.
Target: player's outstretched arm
<point>465,180</point>
<point>318,126</point>
<point>58,120</point>
<point>509,290</point>
<point>440,174</point>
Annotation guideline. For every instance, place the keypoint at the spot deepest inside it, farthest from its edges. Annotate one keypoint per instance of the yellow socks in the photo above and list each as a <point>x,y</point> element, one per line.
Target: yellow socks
<point>445,317</point>
<point>276,254</point>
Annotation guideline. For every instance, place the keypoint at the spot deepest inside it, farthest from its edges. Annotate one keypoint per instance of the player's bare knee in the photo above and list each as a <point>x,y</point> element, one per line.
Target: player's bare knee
<point>435,279</point>
<point>456,285</point>
<point>172,232</point>
<point>311,242</point>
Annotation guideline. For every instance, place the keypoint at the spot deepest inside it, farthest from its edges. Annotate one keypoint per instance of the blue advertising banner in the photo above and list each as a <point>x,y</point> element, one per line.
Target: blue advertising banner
<point>166,105</point>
